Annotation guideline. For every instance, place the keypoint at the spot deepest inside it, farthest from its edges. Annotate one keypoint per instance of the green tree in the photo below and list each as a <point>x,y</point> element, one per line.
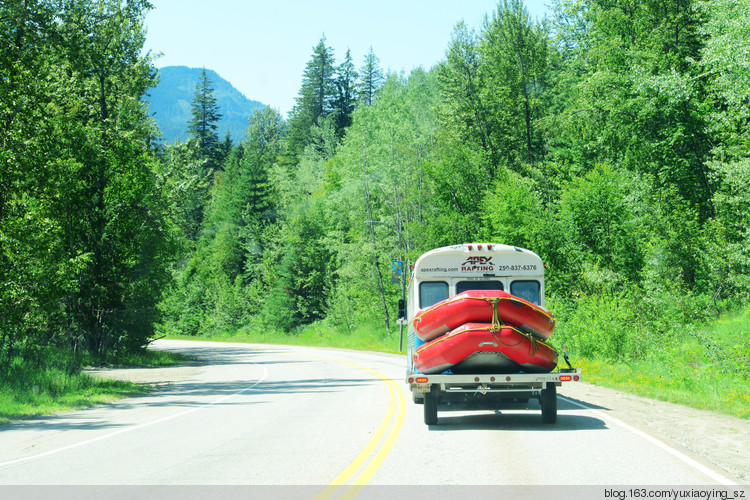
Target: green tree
<point>628,93</point>
<point>726,59</point>
<point>641,101</point>
<point>91,263</point>
<point>512,212</point>
<point>117,222</point>
<point>245,196</point>
<point>346,94</point>
<point>33,276</point>
<point>218,286</point>
<point>514,77</point>
<point>315,100</point>
<point>466,156</point>
<point>372,78</point>
<point>303,275</point>
<point>204,122</point>
<point>597,216</point>
<point>377,175</point>
<point>493,84</point>
<point>208,154</point>
<point>183,165</point>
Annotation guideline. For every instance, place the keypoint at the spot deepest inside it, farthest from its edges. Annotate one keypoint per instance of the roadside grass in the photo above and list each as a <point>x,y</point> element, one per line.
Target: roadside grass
<point>53,386</point>
<point>685,385</point>
<point>151,359</point>
<point>363,337</point>
<point>53,392</point>
<point>706,368</point>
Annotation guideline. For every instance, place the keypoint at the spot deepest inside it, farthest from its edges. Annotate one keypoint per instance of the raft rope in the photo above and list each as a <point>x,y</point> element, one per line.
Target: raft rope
<point>497,324</point>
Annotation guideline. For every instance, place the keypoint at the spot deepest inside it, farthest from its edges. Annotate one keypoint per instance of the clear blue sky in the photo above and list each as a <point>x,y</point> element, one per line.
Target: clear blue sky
<point>262,47</point>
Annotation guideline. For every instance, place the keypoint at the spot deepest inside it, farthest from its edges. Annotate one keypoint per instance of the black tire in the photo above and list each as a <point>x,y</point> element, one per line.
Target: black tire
<point>430,408</point>
<point>549,403</point>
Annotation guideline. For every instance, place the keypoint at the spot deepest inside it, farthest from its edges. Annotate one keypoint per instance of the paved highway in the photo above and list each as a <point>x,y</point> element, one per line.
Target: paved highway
<point>272,415</point>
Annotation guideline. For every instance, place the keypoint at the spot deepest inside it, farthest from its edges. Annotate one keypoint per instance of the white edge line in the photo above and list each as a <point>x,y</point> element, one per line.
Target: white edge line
<point>139,426</point>
<point>661,444</point>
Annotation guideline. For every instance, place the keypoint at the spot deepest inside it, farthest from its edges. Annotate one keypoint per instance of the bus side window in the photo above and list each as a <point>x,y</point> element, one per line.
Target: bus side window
<point>527,290</point>
<point>432,292</point>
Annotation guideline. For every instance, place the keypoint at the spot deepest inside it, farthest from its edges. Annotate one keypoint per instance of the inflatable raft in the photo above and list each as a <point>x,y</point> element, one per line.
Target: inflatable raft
<point>481,348</point>
<point>483,306</point>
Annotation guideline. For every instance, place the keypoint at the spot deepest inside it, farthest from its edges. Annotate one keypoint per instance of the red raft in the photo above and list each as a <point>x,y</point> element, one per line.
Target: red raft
<point>483,306</point>
<point>478,348</point>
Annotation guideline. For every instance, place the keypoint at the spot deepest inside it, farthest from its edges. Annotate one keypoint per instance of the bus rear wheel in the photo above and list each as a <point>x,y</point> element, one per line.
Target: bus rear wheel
<point>548,400</point>
<point>430,407</point>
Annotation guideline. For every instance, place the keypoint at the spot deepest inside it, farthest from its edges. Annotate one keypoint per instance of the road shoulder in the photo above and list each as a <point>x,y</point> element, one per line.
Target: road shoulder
<point>720,440</point>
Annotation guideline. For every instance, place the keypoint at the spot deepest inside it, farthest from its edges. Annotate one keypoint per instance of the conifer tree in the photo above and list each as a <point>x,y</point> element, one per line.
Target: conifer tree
<point>372,78</point>
<point>346,94</point>
<point>316,97</point>
<point>202,126</point>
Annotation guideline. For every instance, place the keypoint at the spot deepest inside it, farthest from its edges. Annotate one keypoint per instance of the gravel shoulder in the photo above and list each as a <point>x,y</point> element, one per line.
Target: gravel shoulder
<point>720,440</point>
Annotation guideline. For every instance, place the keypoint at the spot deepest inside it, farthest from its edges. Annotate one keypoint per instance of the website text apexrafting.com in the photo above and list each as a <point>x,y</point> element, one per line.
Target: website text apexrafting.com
<point>438,269</point>
<point>673,493</point>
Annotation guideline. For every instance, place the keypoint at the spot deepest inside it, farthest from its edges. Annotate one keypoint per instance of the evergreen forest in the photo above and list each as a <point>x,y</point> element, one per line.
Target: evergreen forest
<point>612,139</point>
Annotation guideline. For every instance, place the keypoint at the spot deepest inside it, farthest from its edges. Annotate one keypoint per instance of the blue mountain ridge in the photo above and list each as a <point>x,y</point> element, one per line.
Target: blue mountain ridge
<point>170,101</point>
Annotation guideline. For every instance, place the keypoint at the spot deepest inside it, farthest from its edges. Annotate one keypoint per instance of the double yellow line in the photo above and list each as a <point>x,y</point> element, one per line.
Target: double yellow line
<point>384,437</point>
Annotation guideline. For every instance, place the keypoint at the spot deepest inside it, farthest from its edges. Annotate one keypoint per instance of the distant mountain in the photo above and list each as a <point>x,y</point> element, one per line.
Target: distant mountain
<point>170,102</point>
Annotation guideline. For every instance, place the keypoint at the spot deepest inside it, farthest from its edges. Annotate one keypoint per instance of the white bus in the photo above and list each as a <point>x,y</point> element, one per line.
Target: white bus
<point>444,272</point>
<point>448,271</point>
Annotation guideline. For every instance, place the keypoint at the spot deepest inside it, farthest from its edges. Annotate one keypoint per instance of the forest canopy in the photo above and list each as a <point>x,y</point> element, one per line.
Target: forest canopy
<point>611,139</point>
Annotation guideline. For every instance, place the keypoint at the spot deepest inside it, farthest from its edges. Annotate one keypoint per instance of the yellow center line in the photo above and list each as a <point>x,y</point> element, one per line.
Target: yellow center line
<point>397,399</point>
<point>371,445</point>
<point>378,459</point>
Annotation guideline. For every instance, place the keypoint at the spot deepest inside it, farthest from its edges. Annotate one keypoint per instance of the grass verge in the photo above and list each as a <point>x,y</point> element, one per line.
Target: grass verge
<point>683,385</point>
<point>364,337</point>
<point>61,392</point>
<point>704,367</point>
<point>27,391</point>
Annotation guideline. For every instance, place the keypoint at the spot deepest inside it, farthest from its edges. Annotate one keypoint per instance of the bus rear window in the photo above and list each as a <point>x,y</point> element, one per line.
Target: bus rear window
<point>432,292</point>
<point>527,290</point>
<point>462,286</point>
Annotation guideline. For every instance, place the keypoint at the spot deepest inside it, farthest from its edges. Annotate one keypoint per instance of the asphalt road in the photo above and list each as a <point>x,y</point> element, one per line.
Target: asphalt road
<point>272,415</point>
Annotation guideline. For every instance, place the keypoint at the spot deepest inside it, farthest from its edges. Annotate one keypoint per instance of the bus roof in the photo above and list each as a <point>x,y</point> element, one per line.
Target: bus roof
<point>478,259</point>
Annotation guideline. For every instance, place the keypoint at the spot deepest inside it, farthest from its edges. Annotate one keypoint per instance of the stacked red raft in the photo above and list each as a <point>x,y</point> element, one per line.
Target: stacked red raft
<point>484,331</point>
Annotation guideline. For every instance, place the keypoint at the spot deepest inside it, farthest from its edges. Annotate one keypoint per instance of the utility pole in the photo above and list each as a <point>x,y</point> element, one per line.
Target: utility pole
<point>401,320</point>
